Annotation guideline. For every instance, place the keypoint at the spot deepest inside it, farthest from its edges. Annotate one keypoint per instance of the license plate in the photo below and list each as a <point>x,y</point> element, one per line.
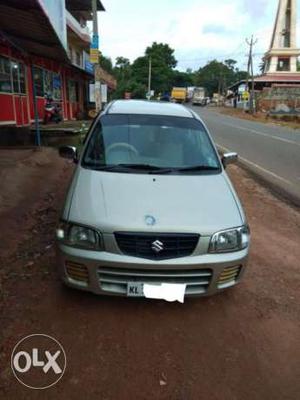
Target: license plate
<point>135,289</point>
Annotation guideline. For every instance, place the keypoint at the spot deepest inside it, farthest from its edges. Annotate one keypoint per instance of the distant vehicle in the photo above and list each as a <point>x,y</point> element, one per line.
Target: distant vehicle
<point>150,204</point>
<point>179,94</point>
<point>165,97</point>
<point>199,96</point>
<point>190,92</point>
<point>217,99</point>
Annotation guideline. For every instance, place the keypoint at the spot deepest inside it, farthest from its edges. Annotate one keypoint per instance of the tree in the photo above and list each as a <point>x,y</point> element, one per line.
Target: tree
<point>163,62</point>
<point>230,63</point>
<point>217,76</point>
<point>162,53</point>
<point>122,62</point>
<point>106,64</point>
<point>183,79</point>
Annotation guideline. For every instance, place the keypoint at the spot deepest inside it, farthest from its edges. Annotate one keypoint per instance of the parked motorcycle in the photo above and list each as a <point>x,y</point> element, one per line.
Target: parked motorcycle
<point>52,111</point>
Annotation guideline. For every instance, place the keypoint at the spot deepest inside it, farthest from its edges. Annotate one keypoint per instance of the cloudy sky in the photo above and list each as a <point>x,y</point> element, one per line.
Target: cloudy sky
<point>198,30</point>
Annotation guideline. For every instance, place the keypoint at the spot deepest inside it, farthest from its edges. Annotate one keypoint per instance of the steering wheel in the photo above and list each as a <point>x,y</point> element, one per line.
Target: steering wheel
<point>122,145</point>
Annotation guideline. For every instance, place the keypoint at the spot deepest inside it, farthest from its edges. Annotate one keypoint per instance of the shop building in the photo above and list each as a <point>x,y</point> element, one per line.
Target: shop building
<point>44,47</point>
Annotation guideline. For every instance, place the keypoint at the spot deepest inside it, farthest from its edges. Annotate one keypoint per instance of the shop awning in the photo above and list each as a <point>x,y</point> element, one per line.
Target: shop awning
<point>29,27</point>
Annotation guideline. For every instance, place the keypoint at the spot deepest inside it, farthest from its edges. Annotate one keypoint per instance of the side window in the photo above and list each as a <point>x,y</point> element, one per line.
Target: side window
<point>18,76</point>
<point>22,73</point>
<point>73,91</point>
<point>56,86</point>
<point>38,81</point>
<point>48,83</point>
<point>5,77</point>
<point>15,76</point>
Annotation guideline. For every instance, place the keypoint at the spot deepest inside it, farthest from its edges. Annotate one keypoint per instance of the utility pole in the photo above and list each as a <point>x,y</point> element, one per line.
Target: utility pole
<point>149,78</point>
<point>250,72</point>
<point>98,101</point>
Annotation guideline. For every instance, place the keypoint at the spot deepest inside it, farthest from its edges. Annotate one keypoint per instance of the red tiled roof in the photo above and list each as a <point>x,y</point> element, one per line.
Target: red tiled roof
<point>279,78</point>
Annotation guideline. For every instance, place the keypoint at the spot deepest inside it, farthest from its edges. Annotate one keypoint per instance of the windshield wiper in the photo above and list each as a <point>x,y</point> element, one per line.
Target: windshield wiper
<point>147,167</point>
<point>153,169</point>
<point>123,167</point>
<point>186,169</point>
<point>198,168</point>
<point>101,167</point>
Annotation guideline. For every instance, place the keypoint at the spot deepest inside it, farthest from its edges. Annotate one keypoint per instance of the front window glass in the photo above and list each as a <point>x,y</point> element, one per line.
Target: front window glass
<point>148,140</point>
<point>38,81</point>
<point>5,78</point>
<point>48,83</point>
<point>73,91</point>
<point>56,86</point>
<point>18,75</point>
<point>22,73</point>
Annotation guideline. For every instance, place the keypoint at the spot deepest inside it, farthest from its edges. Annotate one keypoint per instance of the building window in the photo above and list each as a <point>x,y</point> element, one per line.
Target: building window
<point>5,77</point>
<point>283,64</point>
<point>22,78</point>
<point>56,86</point>
<point>18,77</point>
<point>48,83</point>
<point>73,91</point>
<point>38,79</point>
<point>78,58</point>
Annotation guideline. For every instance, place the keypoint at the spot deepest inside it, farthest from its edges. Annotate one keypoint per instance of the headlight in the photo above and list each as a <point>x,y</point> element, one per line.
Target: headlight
<point>230,240</point>
<point>79,236</point>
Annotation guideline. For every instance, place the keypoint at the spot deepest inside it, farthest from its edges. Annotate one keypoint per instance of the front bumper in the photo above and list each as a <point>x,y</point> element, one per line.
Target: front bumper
<point>109,273</point>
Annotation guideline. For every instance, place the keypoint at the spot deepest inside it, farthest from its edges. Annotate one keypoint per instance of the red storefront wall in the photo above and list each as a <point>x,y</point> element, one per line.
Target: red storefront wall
<point>14,105</point>
<point>18,109</point>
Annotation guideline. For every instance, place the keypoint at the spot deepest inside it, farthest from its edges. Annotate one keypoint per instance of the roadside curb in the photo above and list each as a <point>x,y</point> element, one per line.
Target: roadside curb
<point>280,192</point>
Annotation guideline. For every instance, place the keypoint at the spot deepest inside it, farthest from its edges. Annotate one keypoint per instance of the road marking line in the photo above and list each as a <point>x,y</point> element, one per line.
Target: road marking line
<point>258,167</point>
<point>262,133</point>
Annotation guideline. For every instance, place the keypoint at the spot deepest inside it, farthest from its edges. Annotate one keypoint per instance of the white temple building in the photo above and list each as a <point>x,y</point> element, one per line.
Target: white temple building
<point>283,53</point>
<point>281,60</point>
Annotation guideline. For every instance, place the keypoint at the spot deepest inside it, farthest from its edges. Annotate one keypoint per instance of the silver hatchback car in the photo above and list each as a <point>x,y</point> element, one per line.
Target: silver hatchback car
<point>150,204</point>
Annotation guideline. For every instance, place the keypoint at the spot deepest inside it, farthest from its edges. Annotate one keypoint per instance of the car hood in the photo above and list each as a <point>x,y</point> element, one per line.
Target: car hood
<point>113,202</point>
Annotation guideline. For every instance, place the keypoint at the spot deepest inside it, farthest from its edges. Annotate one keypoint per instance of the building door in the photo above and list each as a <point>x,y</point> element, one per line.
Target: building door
<point>20,93</point>
<point>73,96</point>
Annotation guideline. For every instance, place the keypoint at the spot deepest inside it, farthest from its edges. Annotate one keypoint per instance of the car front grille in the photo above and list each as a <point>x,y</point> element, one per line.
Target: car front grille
<point>115,280</point>
<point>161,246</point>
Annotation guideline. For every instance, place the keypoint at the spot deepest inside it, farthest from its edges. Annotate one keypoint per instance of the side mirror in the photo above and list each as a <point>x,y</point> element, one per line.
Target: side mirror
<point>68,152</point>
<point>229,158</point>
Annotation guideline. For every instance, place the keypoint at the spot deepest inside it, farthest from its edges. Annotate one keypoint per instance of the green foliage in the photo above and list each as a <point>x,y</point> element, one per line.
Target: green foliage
<point>162,54</point>
<point>183,79</point>
<point>134,77</point>
<point>106,64</point>
<point>217,76</point>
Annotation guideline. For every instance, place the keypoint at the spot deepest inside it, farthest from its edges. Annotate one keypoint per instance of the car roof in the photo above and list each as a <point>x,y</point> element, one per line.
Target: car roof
<point>148,108</point>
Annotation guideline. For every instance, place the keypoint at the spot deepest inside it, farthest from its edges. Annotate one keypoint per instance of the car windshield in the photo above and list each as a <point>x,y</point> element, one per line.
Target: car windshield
<point>150,143</point>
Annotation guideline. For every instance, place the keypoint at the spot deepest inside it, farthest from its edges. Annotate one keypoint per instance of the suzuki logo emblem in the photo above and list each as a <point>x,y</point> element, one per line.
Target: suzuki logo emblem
<point>157,246</point>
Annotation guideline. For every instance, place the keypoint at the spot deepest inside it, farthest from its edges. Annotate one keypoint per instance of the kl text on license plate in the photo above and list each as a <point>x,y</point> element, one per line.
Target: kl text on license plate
<point>135,289</point>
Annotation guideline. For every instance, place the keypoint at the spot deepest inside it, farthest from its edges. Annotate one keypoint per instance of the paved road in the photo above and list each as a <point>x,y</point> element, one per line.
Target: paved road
<point>271,151</point>
<point>240,345</point>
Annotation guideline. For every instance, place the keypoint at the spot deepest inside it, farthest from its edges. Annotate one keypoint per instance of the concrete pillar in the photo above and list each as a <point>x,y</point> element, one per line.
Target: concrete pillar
<point>293,64</point>
<point>273,64</point>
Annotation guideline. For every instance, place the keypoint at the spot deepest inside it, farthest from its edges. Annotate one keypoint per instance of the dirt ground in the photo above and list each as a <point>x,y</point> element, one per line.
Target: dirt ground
<point>257,117</point>
<point>239,345</point>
